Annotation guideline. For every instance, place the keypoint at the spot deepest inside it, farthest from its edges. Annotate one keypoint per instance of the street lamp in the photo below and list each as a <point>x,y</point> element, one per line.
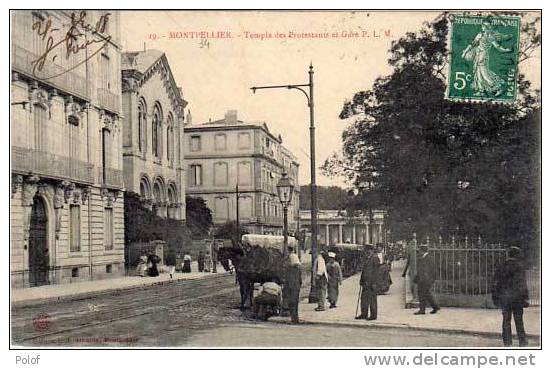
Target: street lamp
<point>285,189</point>
<point>313,193</point>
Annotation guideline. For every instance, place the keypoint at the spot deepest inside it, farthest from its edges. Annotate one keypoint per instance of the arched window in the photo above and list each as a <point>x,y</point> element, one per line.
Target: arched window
<point>142,114</point>
<point>170,139</point>
<point>157,192</point>
<point>40,119</point>
<point>156,136</point>
<point>145,189</point>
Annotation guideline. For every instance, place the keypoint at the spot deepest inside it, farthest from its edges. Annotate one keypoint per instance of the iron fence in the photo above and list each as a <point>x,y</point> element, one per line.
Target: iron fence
<point>464,271</point>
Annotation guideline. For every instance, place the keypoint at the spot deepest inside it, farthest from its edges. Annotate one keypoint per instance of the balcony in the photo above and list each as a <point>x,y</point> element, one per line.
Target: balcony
<point>110,177</point>
<point>108,100</point>
<point>51,74</point>
<point>50,165</point>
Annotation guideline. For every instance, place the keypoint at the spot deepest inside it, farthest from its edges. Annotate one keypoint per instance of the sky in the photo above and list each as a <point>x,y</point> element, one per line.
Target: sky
<point>216,74</point>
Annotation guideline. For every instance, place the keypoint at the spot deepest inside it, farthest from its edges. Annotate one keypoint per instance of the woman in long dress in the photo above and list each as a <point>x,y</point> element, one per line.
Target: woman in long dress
<point>141,269</point>
<point>485,81</point>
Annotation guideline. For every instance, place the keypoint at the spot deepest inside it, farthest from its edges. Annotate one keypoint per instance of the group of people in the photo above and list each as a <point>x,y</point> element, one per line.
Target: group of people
<point>272,298</point>
<point>328,279</point>
<point>147,265</point>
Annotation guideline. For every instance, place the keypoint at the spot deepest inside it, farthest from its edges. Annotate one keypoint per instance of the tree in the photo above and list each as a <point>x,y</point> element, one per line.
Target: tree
<point>441,167</point>
<point>143,225</point>
<point>329,197</point>
<point>228,231</point>
<point>198,217</point>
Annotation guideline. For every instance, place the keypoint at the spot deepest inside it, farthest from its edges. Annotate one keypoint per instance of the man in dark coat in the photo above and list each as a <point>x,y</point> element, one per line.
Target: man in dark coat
<point>293,282</point>
<point>369,281</point>
<point>510,293</point>
<point>424,280</point>
<point>201,261</point>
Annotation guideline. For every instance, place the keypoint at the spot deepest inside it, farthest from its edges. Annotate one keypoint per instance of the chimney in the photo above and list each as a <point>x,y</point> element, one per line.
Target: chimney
<point>231,117</point>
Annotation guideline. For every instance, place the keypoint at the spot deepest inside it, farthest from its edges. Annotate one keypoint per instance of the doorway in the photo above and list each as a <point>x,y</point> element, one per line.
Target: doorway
<point>39,258</point>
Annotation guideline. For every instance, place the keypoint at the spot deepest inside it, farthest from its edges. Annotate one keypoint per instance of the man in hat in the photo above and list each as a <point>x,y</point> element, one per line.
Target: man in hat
<point>320,271</point>
<point>334,279</point>
<point>510,293</point>
<point>293,282</point>
<point>369,283</point>
<point>424,280</point>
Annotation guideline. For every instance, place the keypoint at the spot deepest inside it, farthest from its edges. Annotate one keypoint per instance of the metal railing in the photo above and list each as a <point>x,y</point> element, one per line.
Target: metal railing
<point>110,177</point>
<point>465,271</point>
<point>51,73</point>
<point>50,165</point>
<point>108,100</point>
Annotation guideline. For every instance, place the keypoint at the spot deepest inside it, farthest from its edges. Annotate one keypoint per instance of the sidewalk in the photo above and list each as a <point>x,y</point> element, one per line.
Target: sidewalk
<point>392,314</point>
<point>58,292</point>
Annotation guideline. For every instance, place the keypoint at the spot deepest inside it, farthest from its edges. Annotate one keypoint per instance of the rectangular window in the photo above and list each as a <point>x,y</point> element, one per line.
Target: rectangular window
<point>220,174</point>
<point>220,142</point>
<point>221,211</point>
<point>105,72</point>
<point>195,175</point>
<point>108,228</point>
<point>244,173</point>
<point>244,140</point>
<point>195,143</point>
<point>74,228</point>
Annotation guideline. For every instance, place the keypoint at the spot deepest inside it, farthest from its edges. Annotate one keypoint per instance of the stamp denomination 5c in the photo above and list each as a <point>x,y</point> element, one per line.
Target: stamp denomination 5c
<point>483,62</point>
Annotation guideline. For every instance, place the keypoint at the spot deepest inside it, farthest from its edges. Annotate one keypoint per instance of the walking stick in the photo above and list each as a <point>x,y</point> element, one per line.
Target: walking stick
<point>358,303</point>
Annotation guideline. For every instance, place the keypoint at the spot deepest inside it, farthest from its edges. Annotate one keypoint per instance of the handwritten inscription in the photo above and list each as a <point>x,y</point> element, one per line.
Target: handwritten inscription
<point>71,42</point>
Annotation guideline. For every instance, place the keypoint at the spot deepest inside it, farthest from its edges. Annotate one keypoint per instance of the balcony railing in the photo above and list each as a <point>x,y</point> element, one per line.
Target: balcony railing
<point>50,165</point>
<point>51,73</point>
<point>108,100</point>
<point>110,177</point>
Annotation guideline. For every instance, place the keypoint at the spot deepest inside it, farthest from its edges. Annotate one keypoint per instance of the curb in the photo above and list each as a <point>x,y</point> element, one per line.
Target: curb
<point>86,295</point>
<point>410,327</point>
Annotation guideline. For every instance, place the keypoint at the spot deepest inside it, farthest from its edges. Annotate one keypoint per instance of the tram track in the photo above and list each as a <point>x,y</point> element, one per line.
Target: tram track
<point>123,306</point>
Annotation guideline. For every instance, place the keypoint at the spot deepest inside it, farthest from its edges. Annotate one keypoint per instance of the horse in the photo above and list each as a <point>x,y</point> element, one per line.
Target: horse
<point>243,259</point>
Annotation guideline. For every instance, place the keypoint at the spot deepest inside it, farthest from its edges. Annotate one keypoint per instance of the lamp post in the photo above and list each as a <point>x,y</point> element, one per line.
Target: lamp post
<point>313,193</point>
<point>285,189</point>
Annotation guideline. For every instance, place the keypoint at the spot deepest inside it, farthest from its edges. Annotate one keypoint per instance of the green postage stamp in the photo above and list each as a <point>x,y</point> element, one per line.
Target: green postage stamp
<point>483,63</point>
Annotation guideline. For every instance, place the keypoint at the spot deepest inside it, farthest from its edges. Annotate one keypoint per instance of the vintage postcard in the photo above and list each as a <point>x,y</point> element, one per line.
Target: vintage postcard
<point>275,179</point>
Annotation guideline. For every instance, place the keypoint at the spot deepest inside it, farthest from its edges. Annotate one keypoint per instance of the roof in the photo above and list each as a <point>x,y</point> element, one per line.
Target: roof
<point>145,63</point>
<point>140,60</point>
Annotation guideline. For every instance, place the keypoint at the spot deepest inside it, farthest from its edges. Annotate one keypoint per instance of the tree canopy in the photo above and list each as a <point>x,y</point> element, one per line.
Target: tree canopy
<point>440,167</point>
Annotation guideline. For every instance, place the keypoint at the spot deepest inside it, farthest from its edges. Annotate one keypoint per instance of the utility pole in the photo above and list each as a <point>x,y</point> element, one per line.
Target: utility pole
<point>313,190</point>
<point>237,215</point>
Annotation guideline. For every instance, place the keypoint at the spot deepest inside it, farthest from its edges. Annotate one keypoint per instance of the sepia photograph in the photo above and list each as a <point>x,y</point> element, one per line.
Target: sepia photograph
<point>277,179</point>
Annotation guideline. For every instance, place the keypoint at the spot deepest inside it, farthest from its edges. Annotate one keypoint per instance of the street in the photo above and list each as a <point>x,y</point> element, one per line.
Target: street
<point>198,313</point>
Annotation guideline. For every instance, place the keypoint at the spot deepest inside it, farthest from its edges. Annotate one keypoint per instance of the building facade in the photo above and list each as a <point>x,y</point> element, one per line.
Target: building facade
<point>334,227</point>
<point>153,123</point>
<point>66,209</point>
<point>232,162</point>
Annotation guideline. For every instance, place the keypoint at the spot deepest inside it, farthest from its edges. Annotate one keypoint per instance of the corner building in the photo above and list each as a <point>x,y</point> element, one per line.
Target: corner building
<point>66,209</point>
<point>226,155</point>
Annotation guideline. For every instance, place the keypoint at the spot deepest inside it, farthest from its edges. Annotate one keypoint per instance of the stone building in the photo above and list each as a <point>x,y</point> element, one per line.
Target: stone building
<point>334,227</point>
<point>228,159</point>
<point>153,123</point>
<point>66,210</point>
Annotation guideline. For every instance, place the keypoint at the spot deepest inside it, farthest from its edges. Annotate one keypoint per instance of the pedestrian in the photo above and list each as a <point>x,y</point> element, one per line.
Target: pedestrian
<point>424,280</point>
<point>268,302</point>
<point>186,265</point>
<point>293,282</point>
<point>510,293</point>
<point>214,256</point>
<point>152,261</point>
<point>369,282</point>
<point>201,262</point>
<point>320,271</point>
<point>141,269</point>
<point>334,279</point>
